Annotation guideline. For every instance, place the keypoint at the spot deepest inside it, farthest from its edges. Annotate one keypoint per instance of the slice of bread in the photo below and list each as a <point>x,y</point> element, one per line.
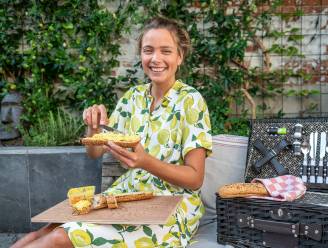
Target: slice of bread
<point>242,190</point>
<point>111,202</point>
<point>123,140</point>
<point>99,201</point>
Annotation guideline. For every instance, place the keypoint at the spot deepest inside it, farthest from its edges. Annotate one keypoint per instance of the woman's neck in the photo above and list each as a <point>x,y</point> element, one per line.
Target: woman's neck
<point>158,92</point>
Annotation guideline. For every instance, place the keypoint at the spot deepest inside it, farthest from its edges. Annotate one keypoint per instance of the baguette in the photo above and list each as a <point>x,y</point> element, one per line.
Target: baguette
<point>134,196</point>
<point>242,190</point>
<point>126,141</point>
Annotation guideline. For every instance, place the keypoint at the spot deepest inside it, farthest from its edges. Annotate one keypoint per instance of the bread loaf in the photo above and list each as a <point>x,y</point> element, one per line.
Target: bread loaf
<point>242,190</point>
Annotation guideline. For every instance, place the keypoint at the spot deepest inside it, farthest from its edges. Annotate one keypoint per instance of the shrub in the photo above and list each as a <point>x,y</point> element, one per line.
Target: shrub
<point>57,129</point>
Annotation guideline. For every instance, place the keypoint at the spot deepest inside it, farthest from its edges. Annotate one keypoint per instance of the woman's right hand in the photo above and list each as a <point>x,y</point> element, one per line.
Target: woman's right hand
<point>95,115</point>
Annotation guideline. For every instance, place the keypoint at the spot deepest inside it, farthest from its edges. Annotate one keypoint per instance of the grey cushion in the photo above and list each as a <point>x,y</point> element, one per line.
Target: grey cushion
<point>225,166</point>
<point>206,237</point>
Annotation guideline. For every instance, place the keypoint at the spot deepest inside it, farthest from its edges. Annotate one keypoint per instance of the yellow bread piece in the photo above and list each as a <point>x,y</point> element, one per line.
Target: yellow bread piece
<point>81,207</point>
<point>81,193</point>
<point>123,140</point>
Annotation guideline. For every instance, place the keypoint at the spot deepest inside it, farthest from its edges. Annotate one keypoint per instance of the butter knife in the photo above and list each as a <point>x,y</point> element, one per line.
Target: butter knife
<point>109,129</point>
<point>323,142</point>
<point>313,152</point>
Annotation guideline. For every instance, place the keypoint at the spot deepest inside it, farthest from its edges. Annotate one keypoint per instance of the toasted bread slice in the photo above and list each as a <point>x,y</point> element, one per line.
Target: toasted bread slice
<point>123,140</point>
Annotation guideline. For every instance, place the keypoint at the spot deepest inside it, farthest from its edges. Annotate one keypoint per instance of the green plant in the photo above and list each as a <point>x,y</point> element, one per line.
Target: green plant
<point>62,54</point>
<point>221,32</point>
<point>54,130</point>
<point>59,54</point>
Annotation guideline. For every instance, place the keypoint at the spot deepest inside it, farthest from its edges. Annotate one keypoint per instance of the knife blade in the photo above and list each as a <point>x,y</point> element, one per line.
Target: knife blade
<point>323,142</point>
<point>313,152</point>
<point>110,129</point>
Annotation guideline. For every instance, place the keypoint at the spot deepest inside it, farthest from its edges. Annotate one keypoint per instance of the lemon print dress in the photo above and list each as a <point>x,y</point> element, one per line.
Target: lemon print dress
<point>180,124</point>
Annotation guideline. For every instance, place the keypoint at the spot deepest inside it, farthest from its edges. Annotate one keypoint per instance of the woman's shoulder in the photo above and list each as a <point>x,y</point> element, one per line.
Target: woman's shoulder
<point>184,90</point>
<point>136,90</point>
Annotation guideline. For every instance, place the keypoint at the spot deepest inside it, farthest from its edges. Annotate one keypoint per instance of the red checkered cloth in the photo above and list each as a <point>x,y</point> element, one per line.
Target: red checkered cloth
<point>282,188</point>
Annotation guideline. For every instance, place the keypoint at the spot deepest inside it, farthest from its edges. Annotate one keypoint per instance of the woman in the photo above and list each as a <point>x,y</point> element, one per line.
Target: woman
<point>173,122</point>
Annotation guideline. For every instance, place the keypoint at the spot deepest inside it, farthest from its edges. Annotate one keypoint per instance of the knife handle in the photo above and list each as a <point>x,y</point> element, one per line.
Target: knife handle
<point>312,162</point>
<point>312,176</point>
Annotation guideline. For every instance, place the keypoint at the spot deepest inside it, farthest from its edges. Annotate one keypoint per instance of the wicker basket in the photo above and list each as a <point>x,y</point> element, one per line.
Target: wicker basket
<point>244,222</point>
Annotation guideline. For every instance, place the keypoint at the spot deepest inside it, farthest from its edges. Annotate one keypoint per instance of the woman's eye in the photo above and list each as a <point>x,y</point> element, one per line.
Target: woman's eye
<point>167,52</point>
<point>147,51</point>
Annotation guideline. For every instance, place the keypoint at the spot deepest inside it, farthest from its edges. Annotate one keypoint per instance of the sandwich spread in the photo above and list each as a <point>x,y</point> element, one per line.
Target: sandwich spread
<point>123,140</point>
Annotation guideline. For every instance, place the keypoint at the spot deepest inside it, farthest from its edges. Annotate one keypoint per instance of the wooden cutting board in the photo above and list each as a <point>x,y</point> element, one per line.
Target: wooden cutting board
<point>156,210</point>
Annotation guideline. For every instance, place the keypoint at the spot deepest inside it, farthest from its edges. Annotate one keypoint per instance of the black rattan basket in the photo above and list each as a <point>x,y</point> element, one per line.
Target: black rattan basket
<point>308,215</point>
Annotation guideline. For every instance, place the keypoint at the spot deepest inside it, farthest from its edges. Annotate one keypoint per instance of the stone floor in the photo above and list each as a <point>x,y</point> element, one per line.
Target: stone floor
<point>7,239</point>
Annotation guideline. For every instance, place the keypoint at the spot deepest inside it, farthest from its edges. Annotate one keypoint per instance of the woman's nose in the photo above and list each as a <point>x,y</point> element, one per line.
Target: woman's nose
<point>156,57</point>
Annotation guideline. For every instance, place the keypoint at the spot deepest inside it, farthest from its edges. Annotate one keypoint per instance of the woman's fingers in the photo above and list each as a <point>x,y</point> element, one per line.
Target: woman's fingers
<point>87,116</point>
<point>122,151</point>
<point>103,115</point>
<point>120,157</point>
<point>95,116</point>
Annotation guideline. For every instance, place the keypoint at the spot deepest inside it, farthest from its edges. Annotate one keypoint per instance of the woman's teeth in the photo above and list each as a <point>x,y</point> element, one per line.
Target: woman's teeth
<point>157,69</point>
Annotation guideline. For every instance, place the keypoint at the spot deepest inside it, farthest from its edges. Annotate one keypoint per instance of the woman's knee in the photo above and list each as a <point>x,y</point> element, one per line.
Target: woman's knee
<point>59,237</point>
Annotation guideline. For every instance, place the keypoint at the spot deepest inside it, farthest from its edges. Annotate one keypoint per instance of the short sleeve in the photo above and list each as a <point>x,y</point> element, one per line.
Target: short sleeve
<point>121,115</point>
<point>196,125</point>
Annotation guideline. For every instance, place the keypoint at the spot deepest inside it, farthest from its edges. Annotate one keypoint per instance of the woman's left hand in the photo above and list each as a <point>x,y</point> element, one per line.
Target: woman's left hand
<point>133,159</point>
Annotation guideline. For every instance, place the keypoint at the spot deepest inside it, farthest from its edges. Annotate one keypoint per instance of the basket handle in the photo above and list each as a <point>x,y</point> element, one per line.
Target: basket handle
<point>313,231</point>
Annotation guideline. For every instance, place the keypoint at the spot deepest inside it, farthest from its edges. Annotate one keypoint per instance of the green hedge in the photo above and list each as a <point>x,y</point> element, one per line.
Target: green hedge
<point>61,54</point>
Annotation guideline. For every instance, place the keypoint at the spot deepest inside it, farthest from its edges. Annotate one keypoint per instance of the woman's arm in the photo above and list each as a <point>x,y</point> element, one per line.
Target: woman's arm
<point>190,175</point>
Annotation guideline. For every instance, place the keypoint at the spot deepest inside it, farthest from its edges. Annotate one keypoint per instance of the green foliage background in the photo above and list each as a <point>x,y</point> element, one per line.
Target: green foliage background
<point>61,54</point>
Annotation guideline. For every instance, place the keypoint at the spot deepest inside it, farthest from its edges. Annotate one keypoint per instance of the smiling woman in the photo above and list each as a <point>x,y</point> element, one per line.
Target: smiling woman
<point>172,121</point>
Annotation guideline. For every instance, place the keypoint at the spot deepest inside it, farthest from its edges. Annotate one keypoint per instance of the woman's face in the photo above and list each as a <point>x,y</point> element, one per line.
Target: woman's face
<point>159,56</point>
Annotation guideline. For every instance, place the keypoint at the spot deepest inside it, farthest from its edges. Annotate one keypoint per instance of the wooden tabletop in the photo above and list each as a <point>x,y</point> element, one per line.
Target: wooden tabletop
<point>156,210</point>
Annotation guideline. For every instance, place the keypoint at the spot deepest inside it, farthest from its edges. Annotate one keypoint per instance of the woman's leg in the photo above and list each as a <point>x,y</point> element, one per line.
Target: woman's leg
<point>28,238</point>
<point>57,238</point>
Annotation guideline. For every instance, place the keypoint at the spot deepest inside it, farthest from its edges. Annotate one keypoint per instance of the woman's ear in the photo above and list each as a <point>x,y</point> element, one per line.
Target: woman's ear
<point>180,59</point>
